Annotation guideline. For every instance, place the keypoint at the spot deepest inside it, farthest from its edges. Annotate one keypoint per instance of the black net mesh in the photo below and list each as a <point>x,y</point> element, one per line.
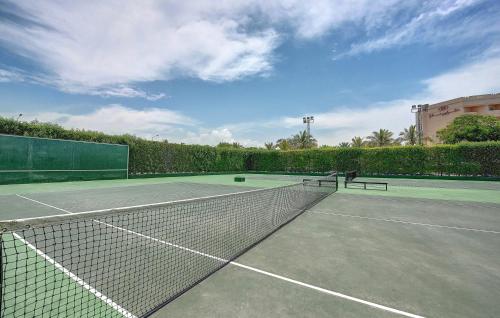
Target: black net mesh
<point>130,262</point>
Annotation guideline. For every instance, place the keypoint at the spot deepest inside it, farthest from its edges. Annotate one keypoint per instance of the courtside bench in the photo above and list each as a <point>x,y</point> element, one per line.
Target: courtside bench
<point>365,185</point>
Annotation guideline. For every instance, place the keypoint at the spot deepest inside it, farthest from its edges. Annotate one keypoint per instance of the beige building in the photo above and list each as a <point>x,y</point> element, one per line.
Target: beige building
<point>431,118</point>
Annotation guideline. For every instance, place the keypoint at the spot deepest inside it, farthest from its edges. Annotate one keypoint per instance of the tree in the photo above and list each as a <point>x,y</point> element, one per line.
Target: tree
<point>409,135</point>
<point>303,140</point>
<point>381,138</point>
<point>471,127</point>
<point>357,142</point>
<point>269,145</point>
<point>283,144</point>
<point>344,144</point>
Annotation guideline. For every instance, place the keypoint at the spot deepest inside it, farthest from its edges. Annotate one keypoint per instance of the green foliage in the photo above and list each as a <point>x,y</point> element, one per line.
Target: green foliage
<point>409,136</point>
<point>155,157</point>
<point>471,127</point>
<point>344,144</point>
<point>145,156</point>
<point>357,142</point>
<point>302,140</point>
<point>461,159</point>
<point>269,145</point>
<point>235,145</point>
<point>283,144</point>
<point>48,130</point>
<point>381,138</point>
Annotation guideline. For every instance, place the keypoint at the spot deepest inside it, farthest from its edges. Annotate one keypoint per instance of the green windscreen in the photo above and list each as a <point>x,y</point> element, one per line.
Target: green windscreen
<point>29,159</point>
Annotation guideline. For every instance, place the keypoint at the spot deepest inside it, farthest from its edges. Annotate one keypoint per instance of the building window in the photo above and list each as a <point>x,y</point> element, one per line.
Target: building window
<point>472,109</point>
<point>495,107</point>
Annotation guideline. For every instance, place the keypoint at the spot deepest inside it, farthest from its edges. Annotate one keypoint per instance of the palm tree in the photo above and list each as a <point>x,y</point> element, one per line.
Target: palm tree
<point>344,144</point>
<point>357,142</point>
<point>269,145</point>
<point>283,144</point>
<point>303,140</point>
<point>409,135</point>
<point>381,138</point>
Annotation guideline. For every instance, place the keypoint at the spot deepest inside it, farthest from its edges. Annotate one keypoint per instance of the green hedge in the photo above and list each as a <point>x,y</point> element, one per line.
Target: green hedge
<point>148,157</point>
<point>157,157</point>
<point>461,159</point>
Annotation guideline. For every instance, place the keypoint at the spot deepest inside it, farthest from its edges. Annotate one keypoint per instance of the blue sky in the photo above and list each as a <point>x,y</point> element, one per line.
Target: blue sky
<point>247,71</point>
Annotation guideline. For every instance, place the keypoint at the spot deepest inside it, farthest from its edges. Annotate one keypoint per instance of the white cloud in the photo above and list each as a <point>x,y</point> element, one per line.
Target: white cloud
<point>310,19</point>
<point>479,76</point>
<point>103,48</point>
<point>147,123</point>
<point>343,124</point>
<point>117,119</point>
<point>125,91</point>
<point>437,23</point>
<point>85,46</point>
<point>213,137</point>
<point>9,76</point>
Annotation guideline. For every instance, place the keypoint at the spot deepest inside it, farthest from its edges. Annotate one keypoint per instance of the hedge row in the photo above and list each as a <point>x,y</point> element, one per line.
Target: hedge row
<point>156,157</point>
<point>47,130</point>
<point>460,159</point>
<point>148,157</point>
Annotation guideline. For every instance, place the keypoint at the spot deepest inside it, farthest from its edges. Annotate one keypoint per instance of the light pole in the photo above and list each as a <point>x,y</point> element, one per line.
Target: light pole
<point>308,120</point>
<point>19,116</point>
<point>417,110</point>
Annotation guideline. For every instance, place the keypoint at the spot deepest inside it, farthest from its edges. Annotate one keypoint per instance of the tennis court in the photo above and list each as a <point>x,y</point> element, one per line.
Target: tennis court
<point>425,248</point>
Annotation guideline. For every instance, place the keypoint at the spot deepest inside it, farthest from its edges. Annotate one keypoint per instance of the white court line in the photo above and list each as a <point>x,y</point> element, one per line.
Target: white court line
<point>406,222</point>
<point>296,282</point>
<point>293,281</point>
<point>66,271</point>
<point>77,279</point>
<point>164,242</point>
<point>326,291</point>
<point>50,206</point>
<point>148,205</point>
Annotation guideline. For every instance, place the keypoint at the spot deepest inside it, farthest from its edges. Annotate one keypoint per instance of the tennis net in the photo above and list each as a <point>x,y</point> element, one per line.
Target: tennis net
<point>129,262</point>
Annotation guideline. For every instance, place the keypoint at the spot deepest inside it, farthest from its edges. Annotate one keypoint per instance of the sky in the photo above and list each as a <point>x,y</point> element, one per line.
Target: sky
<point>204,72</point>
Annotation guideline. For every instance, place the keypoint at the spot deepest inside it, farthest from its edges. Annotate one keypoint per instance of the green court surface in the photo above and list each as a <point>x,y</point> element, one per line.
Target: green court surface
<point>424,248</point>
<point>103,184</point>
<point>67,289</point>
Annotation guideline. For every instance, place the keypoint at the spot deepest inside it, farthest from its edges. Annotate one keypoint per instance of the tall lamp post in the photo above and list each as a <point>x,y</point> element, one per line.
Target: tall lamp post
<point>308,120</point>
<point>418,110</point>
